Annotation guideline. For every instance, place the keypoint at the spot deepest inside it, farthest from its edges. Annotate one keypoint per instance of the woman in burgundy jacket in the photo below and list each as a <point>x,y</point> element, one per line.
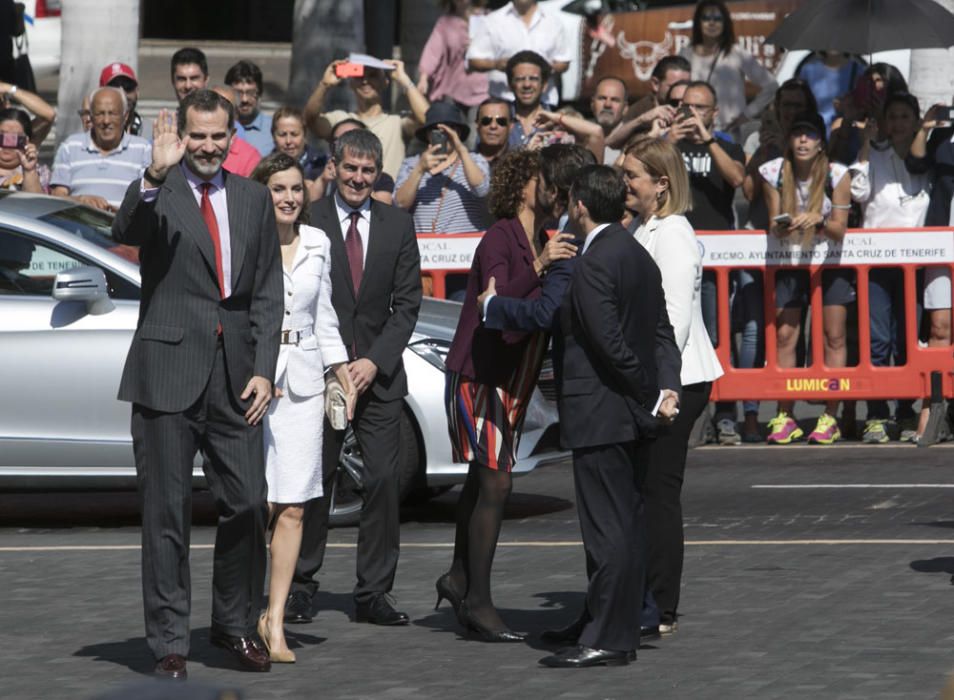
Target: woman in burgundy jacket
<point>490,377</point>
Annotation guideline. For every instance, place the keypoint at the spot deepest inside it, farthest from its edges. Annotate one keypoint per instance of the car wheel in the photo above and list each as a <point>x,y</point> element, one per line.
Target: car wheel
<point>346,499</point>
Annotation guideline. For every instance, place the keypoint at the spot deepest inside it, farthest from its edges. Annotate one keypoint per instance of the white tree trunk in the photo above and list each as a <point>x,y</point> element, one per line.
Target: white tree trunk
<point>931,79</point>
<point>95,33</point>
<point>323,30</point>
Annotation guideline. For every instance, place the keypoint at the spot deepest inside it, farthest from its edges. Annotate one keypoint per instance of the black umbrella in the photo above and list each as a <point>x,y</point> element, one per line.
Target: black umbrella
<point>866,26</point>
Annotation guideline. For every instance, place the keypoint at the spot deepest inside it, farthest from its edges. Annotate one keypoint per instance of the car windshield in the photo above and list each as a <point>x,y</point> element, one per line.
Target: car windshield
<point>93,226</point>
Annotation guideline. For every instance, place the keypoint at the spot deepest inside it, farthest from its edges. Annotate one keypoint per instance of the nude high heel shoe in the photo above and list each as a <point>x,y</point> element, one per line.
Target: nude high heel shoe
<point>279,657</point>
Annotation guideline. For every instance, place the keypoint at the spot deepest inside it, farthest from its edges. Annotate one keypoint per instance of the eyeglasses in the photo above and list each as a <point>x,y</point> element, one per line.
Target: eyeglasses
<point>674,102</point>
<point>712,18</point>
<point>251,93</point>
<point>487,121</point>
<point>701,108</point>
<point>526,78</point>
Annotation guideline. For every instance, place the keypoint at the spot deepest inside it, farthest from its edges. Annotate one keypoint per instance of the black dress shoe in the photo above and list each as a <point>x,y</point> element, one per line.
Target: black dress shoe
<point>649,633</point>
<point>172,666</point>
<point>298,608</point>
<point>250,652</point>
<point>567,636</point>
<point>585,657</point>
<point>486,634</point>
<point>379,611</point>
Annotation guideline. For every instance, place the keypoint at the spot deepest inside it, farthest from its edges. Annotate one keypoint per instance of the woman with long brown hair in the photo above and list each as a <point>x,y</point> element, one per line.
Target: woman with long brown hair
<point>814,195</point>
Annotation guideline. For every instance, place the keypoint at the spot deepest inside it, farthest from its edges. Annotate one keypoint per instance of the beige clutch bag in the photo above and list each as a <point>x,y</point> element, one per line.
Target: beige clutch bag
<point>336,408</point>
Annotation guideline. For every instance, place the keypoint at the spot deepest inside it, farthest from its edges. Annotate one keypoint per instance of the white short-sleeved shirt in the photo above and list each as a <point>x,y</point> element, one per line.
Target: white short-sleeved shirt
<point>771,172</point>
<point>503,33</point>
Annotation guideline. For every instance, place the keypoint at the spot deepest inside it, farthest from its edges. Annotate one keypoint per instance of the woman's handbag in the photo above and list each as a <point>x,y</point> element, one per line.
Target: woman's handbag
<point>336,406</point>
<point>22,69</point>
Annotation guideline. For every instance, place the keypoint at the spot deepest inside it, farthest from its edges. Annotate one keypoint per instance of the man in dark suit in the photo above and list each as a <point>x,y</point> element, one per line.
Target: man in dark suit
<point>199,373</point>
<point>376,292</point>
<point>608,398</point>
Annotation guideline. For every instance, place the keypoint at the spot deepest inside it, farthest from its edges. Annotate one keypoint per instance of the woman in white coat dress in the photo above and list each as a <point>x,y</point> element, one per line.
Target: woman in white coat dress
<point>310,344</point>
<point>658,189</point>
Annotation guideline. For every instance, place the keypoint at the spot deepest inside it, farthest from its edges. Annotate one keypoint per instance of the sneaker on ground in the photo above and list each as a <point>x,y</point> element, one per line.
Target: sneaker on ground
<point>875,432</point>
<point>668,629</point>
<point>826,431</point>
<point>909,429</point>
<point>728,435</point>
<point>783,429</point>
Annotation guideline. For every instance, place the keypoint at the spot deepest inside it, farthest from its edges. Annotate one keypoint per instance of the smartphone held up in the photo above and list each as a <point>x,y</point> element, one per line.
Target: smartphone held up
<point>17,141</point>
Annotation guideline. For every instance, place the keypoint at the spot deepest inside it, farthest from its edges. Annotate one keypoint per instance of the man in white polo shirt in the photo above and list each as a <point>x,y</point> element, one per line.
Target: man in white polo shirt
<point>95,168</point>
<point>520,25</point>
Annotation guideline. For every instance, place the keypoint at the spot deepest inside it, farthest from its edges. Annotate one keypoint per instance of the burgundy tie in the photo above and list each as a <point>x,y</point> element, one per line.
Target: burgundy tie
<point>209,215</point>
<point>355,251</point>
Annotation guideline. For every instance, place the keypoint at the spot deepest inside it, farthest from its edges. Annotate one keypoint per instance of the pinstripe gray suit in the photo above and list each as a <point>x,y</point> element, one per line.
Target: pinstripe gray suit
<point>184,380</point>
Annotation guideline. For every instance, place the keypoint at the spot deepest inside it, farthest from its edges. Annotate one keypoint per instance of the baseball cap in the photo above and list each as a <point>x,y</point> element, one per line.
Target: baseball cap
<point>811,121</point>
<point>115,70</point>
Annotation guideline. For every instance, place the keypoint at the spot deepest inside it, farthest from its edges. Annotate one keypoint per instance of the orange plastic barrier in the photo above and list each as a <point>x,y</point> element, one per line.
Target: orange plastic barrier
<point>726,251</point>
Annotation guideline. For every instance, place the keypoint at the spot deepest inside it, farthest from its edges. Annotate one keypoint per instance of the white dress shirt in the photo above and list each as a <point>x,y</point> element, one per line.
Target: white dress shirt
<point>502,33</point>
<point>220,207</point>
<point>364,223</point>
<point>671,241</point>
<point>594,232</point>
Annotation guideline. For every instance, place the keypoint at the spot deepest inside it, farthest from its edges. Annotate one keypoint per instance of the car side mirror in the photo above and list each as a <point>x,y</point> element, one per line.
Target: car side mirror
<point>84,283</point>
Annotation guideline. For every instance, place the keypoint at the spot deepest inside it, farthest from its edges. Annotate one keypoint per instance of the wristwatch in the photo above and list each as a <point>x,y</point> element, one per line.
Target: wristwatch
<point>712,140</point>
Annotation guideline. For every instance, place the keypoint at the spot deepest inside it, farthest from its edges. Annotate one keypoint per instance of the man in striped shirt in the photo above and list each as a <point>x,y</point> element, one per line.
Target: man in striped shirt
<point>95,168</point>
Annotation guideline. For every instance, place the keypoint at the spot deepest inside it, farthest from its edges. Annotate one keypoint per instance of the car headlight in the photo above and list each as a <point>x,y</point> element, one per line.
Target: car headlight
<point>432,351</point>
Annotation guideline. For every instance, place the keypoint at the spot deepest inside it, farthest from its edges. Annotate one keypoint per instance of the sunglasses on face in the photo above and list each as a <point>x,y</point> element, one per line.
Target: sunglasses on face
<point>712,18</point>
<point>487,121</point>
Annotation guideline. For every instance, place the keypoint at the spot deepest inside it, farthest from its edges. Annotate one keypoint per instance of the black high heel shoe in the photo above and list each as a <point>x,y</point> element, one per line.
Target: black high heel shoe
<point>445,591</point>
<point>500,636</point>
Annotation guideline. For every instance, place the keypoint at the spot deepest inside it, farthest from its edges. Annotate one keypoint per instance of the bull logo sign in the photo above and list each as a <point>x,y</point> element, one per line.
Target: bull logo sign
<point>644,55</point>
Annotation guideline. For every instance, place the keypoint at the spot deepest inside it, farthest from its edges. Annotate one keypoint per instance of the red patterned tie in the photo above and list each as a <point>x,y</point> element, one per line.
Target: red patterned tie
<point>355,251</point>
<point>209,215</point>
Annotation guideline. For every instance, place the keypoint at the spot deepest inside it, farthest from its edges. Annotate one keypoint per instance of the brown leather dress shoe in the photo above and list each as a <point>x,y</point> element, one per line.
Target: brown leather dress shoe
<point>172,666</point>
<point>251,654</point>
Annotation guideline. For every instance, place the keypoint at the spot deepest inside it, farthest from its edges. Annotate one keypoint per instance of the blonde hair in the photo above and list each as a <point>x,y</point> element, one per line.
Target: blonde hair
<point>663,159</point>
<point>816,190</point>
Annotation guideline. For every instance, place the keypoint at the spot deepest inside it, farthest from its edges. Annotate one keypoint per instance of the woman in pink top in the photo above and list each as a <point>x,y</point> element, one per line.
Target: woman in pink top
<point>443,64</point>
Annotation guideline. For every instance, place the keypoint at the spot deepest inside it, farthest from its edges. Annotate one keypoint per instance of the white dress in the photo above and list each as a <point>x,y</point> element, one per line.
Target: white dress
<point>293,425</point>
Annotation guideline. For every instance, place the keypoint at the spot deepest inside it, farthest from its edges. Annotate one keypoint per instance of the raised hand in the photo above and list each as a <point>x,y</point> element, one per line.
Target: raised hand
<point>28,158</point>
<point>167,147</point>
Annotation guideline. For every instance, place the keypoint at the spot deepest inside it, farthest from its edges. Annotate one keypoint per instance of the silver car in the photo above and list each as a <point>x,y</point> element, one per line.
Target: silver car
<point>69,300</point>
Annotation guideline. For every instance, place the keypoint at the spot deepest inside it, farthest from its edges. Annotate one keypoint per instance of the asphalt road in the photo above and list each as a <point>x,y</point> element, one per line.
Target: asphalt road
<point>810,573</point>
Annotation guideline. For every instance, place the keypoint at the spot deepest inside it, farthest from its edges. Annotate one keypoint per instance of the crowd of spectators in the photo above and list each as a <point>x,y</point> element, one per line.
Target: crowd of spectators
<point>842,144</point>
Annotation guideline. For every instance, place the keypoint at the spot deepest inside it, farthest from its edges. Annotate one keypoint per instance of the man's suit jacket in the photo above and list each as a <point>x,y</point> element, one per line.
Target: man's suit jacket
<point>608,326</point>
<point>542,314</point>
<point>174,346</point>
<point>377,320</point>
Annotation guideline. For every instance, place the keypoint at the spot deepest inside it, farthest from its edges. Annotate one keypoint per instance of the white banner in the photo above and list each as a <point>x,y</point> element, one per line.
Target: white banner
<point>448,252</point>
<point>858,248</point>
<point>456,252</point>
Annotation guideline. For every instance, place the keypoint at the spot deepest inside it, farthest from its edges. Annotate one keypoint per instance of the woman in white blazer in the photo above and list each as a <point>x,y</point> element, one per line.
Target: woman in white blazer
<point>658,189</point>
<point>310,344</point>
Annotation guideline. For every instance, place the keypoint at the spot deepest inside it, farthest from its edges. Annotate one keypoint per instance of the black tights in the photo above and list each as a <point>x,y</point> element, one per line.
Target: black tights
<point>479,515</point>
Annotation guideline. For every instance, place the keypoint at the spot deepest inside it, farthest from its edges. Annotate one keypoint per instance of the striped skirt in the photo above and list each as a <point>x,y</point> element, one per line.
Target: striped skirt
<point>485,420</point>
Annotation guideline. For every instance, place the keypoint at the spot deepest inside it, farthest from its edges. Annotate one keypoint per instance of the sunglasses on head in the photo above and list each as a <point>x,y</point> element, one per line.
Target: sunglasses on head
<point>501,121</point>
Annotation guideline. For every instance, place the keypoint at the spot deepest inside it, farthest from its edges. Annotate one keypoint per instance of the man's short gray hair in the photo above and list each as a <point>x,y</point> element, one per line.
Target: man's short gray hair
<point>109,88</point>
<point>361,143</point>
